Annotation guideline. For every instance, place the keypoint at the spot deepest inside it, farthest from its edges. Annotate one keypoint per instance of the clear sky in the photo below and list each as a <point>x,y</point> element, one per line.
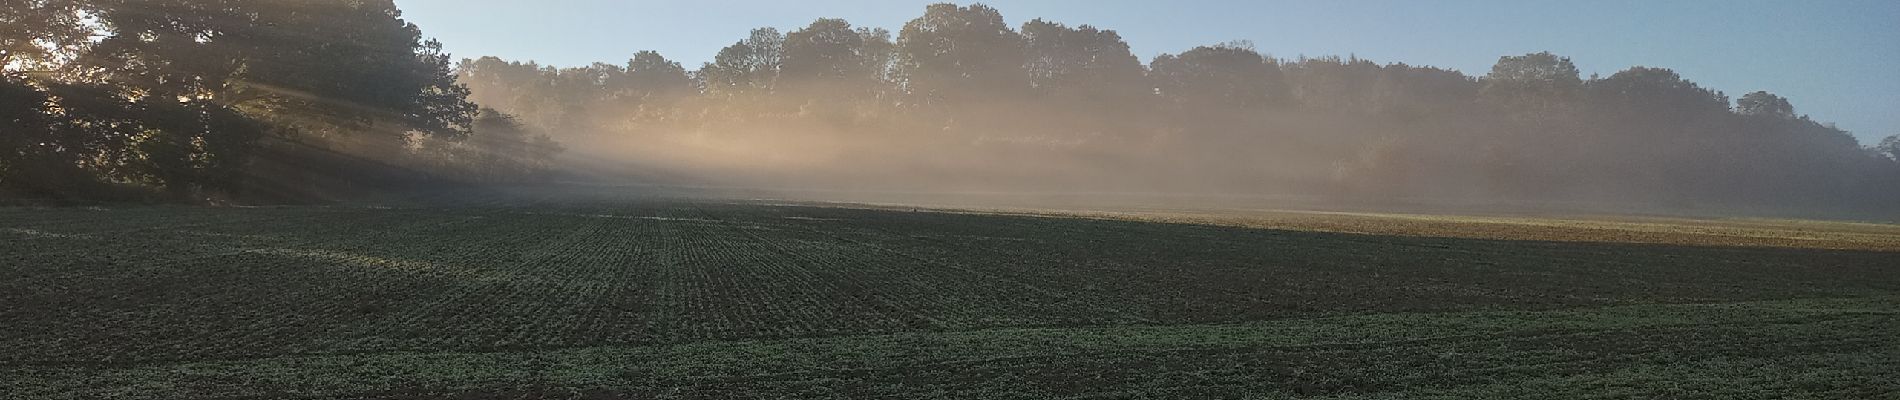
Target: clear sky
<point>1837,60</point>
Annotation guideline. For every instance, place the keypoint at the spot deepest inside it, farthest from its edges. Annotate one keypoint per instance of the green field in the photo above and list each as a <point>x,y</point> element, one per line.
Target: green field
<point>520,296</point>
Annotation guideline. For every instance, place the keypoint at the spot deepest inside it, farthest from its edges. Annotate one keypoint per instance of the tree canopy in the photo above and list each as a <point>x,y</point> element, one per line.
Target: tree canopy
<point>191,96</point>
<point>208,98</point>
<point>959,96</point>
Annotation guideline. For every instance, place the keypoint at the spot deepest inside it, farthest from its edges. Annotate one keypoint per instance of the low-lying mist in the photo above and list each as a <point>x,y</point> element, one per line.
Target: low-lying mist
<point>298,101</point>
<point>959,104</point>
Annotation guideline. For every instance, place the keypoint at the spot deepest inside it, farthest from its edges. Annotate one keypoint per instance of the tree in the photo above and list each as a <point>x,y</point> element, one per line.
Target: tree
<point>1229,75</point>
<point>191,96</point>
<point>960,52</point>
<point>1889,148</point>
<point>767,55</point>
<point>1536,82</point>
<point>748,66</point>
<point>651,76</point>
<point>525,90</point>
<point>198,146</point>
<point>501,149</point>
<point>1333,83</point>
<point>1535,69</point>
<point>879,54</point>
<point>1650,127</point>
<point>188,87</point>
<point>826,50</point>
<point>1656,90</point>
<point>1082,61</point>
<point>36,157</point>
<point>439,105</point>
<point>1761,103</point>
<point>561,99</point>
<point>35,33</point>
<point>830,58</point>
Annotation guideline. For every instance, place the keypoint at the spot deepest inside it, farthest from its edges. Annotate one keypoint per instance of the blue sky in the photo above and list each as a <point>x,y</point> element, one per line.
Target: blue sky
<point>1838,61</point>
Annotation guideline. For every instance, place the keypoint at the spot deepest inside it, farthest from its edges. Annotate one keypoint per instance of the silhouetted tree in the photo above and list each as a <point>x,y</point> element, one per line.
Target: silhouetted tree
<point>651,76</point>
<point>749,66</point>
<point>954,53</point>
<point>1223,76</point>
<point>199,98</point>
<point>1082,61</point>
<point>1764,104</point>
<point>498,149</point>
<point>33,33</point>
<point>1536,82</point>
<point>1888,148</point>
<point>177,94</point>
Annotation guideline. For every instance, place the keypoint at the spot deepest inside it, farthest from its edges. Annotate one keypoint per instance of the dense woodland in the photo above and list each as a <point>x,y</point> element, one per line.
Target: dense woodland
<point>238,99</point>
<point>286,99</point>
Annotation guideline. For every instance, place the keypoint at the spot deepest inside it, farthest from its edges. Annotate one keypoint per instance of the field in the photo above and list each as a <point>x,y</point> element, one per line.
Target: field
<point>553,295</point>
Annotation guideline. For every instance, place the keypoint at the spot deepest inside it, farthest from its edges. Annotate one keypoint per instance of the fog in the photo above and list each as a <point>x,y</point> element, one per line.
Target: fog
<point>958,105</point>
<point>275,101</point>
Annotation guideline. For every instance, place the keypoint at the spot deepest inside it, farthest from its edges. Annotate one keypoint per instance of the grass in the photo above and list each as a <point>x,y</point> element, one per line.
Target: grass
<point>605,296</point>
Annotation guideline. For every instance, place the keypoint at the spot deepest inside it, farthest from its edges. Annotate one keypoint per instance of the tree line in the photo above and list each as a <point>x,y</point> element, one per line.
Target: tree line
<point>264,98</point>
<point>957,98</point>
<point>221,99</point>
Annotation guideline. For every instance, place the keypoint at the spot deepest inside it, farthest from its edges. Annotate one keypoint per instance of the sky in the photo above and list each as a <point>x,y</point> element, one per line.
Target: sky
<point>1836,60</point>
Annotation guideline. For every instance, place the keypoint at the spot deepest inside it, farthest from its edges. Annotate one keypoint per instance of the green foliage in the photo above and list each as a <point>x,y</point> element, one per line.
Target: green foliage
<point>1222,76</point>
<point>956,54</point>
<point>1540,72</point>
<point>499,149</point>
<point>37,34</point>
<point>1764,104</point>
<point>651,76</point>
<point>1536,84</point>
<point>1889,148</point>
<point>1081,61</point>
<point>358,93</point>
<point>33,155</point>
<point>959,95</point>
<point>177,94</point>
<point>1658,92</point>
<point>828,49</point>
<point>749,66</point>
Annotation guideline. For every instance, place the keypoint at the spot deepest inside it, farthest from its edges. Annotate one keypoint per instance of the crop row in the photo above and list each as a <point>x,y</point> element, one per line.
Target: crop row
<point>168,285</point>
<point>1837,348</point>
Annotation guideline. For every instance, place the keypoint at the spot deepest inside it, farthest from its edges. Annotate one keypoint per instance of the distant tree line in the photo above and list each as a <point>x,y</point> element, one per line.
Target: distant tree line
<point>204,99</point>
<point>958,98</point>
<point>214,99</point>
